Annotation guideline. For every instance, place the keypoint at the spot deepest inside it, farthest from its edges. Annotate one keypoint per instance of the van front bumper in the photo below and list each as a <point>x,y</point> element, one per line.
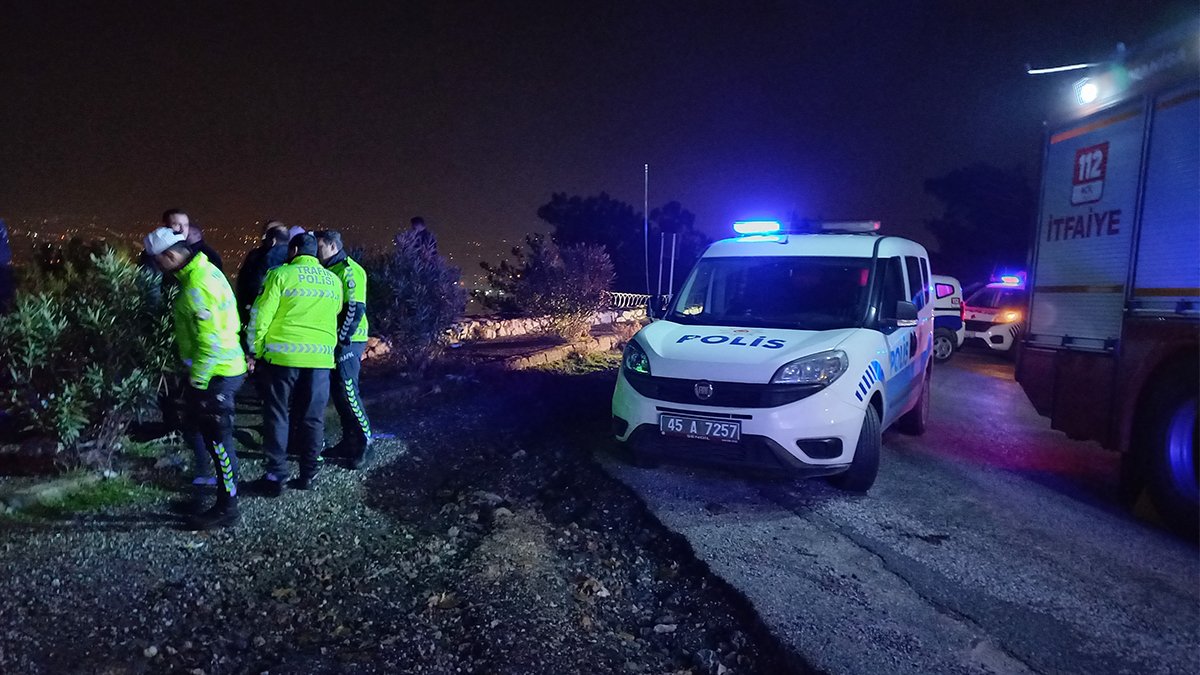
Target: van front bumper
<point>816,435</point>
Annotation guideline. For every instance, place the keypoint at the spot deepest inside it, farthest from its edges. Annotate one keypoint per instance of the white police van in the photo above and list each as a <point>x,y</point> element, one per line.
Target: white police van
<point>995,314</point>
<point>948,328</point>
<point>785,351</point>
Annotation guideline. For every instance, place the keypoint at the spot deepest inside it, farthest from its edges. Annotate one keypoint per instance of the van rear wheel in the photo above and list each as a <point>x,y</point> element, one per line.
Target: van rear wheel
<point>915,421</point>
<point>943,344</point>
<point>865,467</point>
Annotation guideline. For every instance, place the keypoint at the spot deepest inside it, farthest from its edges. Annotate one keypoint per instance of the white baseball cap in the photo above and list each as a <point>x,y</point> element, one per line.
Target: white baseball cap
<point>294,230</point>
<point>161,239</point>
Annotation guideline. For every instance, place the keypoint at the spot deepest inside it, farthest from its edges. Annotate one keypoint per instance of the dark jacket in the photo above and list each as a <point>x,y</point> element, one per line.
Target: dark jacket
<point>253,273</point>
<point>213,257</point>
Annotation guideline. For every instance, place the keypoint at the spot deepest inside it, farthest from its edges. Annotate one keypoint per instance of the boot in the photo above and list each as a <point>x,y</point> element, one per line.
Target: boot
<point>303,482</point>
<point>223,514</point>
<point>364,458</point>
<point>268,486</point>
<point>336,451</point>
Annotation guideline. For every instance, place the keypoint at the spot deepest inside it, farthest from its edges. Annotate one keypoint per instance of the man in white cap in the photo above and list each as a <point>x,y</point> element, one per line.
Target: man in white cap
<point>206,330</point>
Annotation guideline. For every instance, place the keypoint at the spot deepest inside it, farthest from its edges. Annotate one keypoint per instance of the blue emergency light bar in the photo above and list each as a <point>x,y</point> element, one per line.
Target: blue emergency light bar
<point>1009,279</point>
<point>757,226</point>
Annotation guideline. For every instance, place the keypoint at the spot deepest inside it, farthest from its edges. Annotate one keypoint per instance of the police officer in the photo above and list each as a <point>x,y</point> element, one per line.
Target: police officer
<point>356,444</point>
<point>293,330</point>
<point>206,330</point>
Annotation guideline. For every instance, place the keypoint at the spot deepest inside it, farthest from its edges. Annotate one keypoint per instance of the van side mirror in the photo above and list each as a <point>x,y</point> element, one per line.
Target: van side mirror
<point>906,314</point>
<point>656,306</point>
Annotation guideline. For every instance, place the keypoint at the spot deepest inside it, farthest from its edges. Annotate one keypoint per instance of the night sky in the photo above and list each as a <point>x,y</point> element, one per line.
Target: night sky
<point>471,114</point>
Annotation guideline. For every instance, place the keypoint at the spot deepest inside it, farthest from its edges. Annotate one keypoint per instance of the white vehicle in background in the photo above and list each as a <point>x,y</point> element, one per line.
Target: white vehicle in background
<point>995,314</point>
<point>787,352</point>
<point>948,329</point>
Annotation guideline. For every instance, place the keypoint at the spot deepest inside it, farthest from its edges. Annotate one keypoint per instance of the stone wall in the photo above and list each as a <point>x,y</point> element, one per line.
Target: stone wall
<point>490,328</point>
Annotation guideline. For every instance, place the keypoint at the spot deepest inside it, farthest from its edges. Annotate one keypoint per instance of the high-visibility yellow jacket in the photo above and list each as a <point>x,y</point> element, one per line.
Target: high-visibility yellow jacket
<point>294,321</point>
<point>206,323</point>
<point>353,324</point>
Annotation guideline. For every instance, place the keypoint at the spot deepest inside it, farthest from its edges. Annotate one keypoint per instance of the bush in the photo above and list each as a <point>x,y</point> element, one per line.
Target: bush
<point>83,353</point>
<point>413,297</point>
<point>560,287</point>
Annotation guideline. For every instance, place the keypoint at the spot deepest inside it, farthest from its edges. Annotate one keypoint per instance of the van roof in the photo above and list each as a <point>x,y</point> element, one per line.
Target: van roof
<point>818,245</point>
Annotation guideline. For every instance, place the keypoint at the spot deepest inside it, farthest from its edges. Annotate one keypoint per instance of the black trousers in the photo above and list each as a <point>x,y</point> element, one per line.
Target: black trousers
<point>356,427</point>
<point>208,429</point>
<point>300,393</point>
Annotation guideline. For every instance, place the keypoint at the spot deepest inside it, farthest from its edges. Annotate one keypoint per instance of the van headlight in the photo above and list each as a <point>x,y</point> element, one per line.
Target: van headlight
<point>634,359</point>
<point>822,368</point>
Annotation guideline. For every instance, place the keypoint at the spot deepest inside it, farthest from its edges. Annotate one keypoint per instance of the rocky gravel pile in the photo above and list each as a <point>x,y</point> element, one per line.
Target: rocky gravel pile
<point>484,540</point>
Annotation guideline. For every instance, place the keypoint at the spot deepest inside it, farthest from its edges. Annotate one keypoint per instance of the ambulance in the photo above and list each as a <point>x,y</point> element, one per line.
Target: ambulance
<point>789,351</point>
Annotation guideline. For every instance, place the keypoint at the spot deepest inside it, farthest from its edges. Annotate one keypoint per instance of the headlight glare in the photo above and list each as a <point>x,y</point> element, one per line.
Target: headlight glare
<point>634,359</point>
<point>822,368</point>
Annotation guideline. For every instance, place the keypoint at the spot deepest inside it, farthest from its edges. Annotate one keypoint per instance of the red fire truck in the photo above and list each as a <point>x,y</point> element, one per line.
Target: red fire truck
<point>1112,348</point>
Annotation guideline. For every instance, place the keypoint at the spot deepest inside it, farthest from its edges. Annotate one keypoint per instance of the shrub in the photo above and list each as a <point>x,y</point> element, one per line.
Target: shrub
<point>83,352</point>
<point>559,287</point>
<point>413,297</point>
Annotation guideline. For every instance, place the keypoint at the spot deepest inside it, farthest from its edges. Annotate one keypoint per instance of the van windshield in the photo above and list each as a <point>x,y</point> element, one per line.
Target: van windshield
<point>775,292</point>
<point>997,298</point>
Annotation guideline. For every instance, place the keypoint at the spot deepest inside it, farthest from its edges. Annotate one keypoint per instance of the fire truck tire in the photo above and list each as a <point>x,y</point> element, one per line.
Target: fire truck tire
<point>1168,446</point>
<point>861,474</point>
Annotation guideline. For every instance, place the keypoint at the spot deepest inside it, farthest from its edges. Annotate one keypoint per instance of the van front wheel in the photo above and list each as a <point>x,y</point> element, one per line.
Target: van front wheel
<point>861,474</point>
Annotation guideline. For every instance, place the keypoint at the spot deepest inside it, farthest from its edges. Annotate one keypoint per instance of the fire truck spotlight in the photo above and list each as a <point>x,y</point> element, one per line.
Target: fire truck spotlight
<point>1086,91</point>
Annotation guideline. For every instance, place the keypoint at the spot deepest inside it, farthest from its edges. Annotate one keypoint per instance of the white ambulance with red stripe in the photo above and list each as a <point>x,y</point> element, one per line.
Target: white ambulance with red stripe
<point>785,351</point>
<point>1111,351</point>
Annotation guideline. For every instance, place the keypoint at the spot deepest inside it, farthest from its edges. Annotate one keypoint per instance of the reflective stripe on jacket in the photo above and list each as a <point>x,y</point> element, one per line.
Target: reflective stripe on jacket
<point>352,324</point>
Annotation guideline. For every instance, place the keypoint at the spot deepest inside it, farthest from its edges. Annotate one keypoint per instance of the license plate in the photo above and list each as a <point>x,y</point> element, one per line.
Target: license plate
<point>700,428</point>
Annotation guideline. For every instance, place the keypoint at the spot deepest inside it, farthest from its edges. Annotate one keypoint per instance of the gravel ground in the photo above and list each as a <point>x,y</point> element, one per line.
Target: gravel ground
<point>485,539</point>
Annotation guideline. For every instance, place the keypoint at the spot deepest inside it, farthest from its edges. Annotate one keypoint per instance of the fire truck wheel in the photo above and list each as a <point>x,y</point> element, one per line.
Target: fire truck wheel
<point>861,474</point>
<point>1169,445</point>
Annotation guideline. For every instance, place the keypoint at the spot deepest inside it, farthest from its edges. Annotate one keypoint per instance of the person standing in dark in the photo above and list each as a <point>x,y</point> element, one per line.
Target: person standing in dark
<point>179,223</point>
<point>417,234</point>
<point>293,335</point>
<point>206,332</point>
<point>355,445</point>
<point>269,254</point>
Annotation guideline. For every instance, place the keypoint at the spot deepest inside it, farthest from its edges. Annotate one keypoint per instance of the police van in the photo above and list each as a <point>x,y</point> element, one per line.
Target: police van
<point>785,351</point>
<point>995,314</point>
<point>948,329</point>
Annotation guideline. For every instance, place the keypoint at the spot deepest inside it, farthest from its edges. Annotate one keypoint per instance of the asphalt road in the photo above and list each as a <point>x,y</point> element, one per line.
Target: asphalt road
<point>990,545</point>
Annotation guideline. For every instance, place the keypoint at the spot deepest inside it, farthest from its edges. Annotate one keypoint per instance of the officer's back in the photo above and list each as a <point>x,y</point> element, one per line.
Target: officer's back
<point>294,321</point>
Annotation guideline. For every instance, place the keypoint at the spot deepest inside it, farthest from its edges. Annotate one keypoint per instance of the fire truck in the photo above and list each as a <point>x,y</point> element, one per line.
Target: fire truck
<point>1111,352</point>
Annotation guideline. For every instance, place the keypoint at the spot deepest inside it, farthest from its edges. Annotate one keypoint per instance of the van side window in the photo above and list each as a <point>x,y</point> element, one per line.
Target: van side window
<point>925,278</point>
<point>892,289</point>
<point>916,288</point>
